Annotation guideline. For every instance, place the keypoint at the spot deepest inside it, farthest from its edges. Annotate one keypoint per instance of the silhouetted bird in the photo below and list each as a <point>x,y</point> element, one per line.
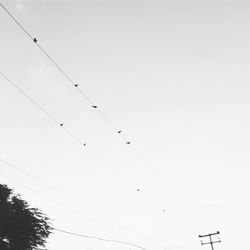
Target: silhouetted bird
<point>76,85</point>
<point>84,144</point>
<point>128,142</point>
<point>138,189</point>
<point>35,40</point>
<point>119,131</point>
<point>95,107</point>
<point>61,124</point>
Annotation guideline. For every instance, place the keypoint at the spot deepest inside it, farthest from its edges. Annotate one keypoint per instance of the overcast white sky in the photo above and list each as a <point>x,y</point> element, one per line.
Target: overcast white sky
<point>174,76</point>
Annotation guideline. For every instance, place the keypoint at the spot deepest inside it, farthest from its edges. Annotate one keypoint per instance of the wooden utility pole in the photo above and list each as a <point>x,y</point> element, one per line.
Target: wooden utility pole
<point>211,242</point>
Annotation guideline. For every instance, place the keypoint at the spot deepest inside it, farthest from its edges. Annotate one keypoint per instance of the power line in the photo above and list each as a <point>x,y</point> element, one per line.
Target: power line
<point>72,210</point>
<point>69,196</point>
<point>34,39</point>
<point>16,21</point>
<point>77,139</point>
<point>100,112</point>
<point>61,125</point>
<point>52,200</point>
<point>152,201</point>
<point>163,180</point>
<point>92,104</point>
<point>73,83</point>
<point>99,238</point>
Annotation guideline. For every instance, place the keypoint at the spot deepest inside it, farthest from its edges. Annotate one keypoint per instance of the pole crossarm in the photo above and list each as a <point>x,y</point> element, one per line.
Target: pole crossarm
<point>211,242</point>
<point>207,235</point>
<point>218,241</point>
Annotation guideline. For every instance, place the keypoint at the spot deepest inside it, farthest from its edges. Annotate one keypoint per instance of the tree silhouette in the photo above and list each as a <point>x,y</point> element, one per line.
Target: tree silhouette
<point>21,227</point>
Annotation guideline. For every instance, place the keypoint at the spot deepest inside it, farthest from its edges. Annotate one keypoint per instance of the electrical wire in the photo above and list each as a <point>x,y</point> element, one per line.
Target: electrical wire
<point>78,140</point>
<point>54,201</point>
<point>69,209</point>
<point>34,39</point>
<point>70,133</point>
<point>104,116</point>
<point>100,112</point>
<point>153,202</point>
<point>73,199</point>
<point>163,180</point>
<point>99,238</point>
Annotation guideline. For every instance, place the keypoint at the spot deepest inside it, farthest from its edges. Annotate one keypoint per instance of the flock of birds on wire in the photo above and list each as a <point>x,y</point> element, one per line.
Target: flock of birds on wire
<point>92,105</point>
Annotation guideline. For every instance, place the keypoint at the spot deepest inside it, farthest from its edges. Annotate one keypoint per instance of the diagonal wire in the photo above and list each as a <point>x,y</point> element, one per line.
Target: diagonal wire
<point>73,199</point>
<point>78,140</point>
<point>153,202</point>
<point>59,203</point>
<point>47,55</point>
<point>99,238</point>
<point>76,85</point>
<point>100,112</point>
<point>51,200</point>
<point>163,180</point>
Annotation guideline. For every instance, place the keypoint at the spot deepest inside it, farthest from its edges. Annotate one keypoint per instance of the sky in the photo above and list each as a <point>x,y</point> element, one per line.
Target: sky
<point>173,76</point>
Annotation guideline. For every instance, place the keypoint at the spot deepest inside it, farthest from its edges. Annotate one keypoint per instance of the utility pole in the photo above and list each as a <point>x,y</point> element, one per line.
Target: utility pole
<point>211,242</point>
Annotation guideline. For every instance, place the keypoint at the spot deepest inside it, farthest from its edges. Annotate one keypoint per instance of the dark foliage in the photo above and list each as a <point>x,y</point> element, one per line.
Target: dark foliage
<point>21,227</point>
